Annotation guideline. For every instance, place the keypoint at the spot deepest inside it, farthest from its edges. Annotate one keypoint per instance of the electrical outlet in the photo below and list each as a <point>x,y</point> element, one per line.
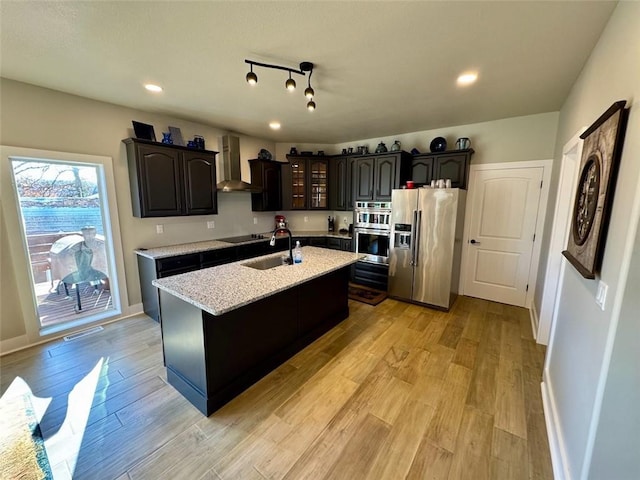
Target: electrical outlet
<point>159,229</point>
<point>306,219</point>
<point>255,220</point>
<point>211,224</point>
<point>601,294</point>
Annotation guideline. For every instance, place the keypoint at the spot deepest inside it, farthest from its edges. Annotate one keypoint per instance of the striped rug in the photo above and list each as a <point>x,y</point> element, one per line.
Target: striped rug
<point>21,444</point>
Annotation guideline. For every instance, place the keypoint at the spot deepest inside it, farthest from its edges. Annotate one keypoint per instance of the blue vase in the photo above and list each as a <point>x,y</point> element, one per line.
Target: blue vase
<point>166,138</point>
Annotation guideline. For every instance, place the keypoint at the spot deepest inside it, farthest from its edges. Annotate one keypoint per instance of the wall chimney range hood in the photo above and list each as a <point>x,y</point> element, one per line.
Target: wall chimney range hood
<point>231,166</point>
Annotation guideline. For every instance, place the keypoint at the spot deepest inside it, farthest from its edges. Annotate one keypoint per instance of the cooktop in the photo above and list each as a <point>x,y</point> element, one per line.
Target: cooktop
<point>242,238</point>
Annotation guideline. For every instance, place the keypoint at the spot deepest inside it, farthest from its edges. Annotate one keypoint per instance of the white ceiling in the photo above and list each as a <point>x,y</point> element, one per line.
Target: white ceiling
<point>382,68</point>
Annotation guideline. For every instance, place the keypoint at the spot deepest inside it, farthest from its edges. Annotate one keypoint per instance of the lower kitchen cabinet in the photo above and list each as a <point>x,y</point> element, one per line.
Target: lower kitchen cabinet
<point>213,258</point>
<point>150,269</point>
<point>343,244</point>
<point>374,275</point>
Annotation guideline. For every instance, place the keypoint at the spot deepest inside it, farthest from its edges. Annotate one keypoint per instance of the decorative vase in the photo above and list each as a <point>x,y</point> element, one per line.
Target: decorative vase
<point>166,138</point>
<point>463,143</point>
<point>199,141</point>
<point>396,146</point>
<point>381,148</point>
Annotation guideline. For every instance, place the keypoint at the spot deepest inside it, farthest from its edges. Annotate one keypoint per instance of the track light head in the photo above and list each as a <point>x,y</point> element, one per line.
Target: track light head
<point>311,106</point>
<point>308,92</point>
<point>252,78</point>
<point>290,84</point>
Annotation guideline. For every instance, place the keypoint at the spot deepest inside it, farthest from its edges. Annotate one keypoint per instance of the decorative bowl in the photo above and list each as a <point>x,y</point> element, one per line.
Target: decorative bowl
<point>438,144</point>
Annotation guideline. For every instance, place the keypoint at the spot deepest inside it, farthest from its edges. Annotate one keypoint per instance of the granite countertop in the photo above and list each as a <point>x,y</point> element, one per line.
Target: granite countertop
<point>220,289</point>
<point>197,247</point>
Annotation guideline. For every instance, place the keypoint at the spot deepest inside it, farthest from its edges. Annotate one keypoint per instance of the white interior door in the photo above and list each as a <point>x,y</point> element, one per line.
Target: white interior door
<point>502,215</point>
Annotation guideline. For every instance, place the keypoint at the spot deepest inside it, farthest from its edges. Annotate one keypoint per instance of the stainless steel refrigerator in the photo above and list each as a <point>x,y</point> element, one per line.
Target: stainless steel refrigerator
<point>426,245</point>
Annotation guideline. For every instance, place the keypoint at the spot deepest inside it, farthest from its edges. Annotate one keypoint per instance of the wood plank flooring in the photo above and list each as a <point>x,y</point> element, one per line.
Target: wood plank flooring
<point>395,391</point>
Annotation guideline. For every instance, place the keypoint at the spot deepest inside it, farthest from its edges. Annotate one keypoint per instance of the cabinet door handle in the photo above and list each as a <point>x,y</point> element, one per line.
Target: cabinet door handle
<point>474,242</point>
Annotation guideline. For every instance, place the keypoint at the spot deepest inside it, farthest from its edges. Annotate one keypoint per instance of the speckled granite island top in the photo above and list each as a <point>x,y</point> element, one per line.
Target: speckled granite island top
<point>218,290</point>
<point>196,247</point>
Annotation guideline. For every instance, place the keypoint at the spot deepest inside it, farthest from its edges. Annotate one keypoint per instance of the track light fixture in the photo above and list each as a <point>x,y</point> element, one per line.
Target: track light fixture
<point>308,92</point>
<point>290,84</point>
<point>252,78</point>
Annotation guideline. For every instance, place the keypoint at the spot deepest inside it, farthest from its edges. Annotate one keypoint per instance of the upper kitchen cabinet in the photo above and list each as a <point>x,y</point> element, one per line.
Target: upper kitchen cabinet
<point>375,176</point>
<point>266,174</point>
<point>452,165</point>
<point>305,183</point>
<point>169,180</point>
<point>340,183</point>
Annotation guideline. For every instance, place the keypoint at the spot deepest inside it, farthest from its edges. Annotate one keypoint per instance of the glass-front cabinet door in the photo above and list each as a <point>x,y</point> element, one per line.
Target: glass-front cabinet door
<point>319,170</point>
<point>298,184</point>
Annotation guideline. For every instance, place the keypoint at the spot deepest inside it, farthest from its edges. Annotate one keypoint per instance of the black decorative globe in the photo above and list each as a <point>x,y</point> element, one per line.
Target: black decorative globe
<point>438,144</point>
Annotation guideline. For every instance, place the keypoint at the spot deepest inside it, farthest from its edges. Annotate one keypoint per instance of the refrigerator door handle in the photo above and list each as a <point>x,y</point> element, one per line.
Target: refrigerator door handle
<point>416,236</point>
<point>413,237</point>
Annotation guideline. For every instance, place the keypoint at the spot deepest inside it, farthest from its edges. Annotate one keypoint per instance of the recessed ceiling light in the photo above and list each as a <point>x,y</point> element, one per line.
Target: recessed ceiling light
<point>274,125</point>
<point>153,88</point>
<point>467,78</point>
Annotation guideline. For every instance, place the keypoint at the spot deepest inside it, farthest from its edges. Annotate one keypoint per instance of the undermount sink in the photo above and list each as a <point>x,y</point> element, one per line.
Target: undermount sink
<point>265,263</point>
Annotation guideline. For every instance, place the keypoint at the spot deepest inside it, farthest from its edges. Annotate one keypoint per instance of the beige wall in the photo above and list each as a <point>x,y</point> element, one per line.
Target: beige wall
<point>587,368</point>
<point>531,137</point>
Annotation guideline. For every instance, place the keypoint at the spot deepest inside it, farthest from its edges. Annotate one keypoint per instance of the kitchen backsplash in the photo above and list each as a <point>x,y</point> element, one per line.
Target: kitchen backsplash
<point>234,218</point>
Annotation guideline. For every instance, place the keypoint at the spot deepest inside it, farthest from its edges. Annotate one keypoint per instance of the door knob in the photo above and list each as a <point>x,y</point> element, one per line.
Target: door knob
<point>472,241</point>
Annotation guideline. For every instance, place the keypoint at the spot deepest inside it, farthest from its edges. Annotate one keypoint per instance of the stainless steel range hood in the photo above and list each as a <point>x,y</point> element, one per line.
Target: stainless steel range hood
<point>231,166</point>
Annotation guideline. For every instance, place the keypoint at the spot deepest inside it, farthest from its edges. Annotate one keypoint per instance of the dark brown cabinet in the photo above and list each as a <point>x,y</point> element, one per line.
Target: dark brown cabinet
<point>376,176</point>
<point>374,275</point>
<point>341,183</point>
<point>343,244</point>
<point>363,170</point>
<point>305,183</point>
<point>168,180</point>
<point>452,165</point>
<point>267,175</point>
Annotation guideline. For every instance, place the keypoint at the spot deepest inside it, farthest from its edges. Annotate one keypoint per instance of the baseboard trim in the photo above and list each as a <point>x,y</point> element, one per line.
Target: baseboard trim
<point>535,321</point>
<point>13,344</point>
<point>22,342</point>
<point>554,434</point>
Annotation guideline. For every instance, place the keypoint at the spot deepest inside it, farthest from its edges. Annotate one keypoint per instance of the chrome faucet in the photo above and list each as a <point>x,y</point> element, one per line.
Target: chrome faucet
<point>272,242</point>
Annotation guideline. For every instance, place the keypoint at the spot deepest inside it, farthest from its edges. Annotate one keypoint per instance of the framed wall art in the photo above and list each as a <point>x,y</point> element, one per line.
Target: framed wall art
<point>176,134</point>
<point>594,193</point>
<point>144,131</point>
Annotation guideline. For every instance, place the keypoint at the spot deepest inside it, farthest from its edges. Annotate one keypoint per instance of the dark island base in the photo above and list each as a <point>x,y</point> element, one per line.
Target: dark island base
<point>211,359</point>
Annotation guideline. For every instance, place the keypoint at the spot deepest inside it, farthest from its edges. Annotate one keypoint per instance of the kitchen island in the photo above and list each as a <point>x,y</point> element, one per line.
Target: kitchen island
<point>225,327</point>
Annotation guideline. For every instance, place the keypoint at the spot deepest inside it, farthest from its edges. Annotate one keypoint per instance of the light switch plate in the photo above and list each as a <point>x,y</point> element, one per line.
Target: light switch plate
<point>159,229</point>
<point>306,219</point>
<point>211,224</point>
<point>255,220</point>
<point>601,294</point>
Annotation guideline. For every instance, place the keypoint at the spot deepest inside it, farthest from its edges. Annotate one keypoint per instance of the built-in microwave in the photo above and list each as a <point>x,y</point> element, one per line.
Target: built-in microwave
<point>375,215</point>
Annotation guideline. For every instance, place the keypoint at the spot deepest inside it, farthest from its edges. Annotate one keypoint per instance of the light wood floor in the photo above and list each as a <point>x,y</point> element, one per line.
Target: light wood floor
<point>395,391</point>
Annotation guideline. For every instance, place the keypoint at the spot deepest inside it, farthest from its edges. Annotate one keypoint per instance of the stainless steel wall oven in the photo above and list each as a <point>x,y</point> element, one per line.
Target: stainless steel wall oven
<point>372,227</point>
